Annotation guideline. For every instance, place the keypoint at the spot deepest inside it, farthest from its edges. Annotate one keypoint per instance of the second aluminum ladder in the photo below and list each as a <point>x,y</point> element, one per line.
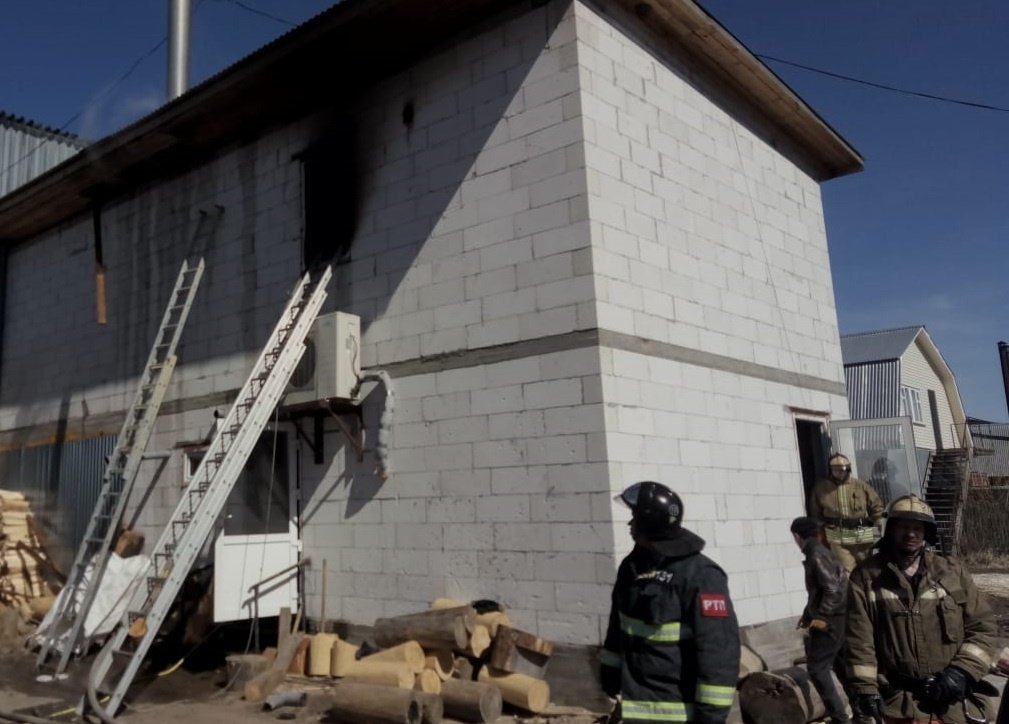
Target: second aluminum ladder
<point>203,500</point>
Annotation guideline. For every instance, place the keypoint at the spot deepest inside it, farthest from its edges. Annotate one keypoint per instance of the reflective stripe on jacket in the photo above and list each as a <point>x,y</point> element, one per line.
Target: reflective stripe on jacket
<point>898,635</point>
<point>673,635</point>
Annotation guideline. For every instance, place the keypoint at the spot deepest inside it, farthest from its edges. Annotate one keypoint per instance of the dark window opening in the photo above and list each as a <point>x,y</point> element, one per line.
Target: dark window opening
<point>330,175</point>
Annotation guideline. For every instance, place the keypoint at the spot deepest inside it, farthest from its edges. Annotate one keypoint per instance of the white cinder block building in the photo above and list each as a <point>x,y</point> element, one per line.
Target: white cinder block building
<point>585,242</point>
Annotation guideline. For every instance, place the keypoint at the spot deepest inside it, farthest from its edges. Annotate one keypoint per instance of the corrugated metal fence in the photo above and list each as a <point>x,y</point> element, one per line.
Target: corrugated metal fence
<point>62,482</point>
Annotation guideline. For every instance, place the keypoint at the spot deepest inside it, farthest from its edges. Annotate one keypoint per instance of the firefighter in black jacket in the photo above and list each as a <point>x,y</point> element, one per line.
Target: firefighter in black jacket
<point>823,617</point>
<point>672,647</point>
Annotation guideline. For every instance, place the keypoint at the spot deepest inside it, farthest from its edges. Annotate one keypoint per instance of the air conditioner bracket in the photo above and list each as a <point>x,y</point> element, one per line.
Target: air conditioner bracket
<point>351,422</point>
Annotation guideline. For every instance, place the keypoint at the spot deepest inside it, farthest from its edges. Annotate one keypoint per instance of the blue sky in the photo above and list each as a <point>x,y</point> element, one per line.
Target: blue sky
<point>918,237</point>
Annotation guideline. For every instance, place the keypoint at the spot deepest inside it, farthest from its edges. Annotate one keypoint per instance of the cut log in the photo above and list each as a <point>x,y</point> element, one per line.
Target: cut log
<point>439,604</point>
<point>40,606</point>
<point>520,652</point>
<point>471,701</point>
<point>343,658</point>
<point>464,669</point>
<point>427,681</point>
<point>443,628</point>
<point>432,708</point>
<point>479,642</point>
<point>382,673</point>
<point>441,662</point>
<point>525,692</point>
<point>138,628</point>
<point>408,652</point>
<point>320,654</point>
<point>130,543</point>
<point>367,704</point>
<point>300,659</point>
<point>261,686</point>
<point>491,620</point>
<point>784,696</point>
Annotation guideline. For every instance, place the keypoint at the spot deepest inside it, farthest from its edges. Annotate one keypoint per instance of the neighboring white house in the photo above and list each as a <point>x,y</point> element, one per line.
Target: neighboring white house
<point>585,241</point>
<point>900,372</point>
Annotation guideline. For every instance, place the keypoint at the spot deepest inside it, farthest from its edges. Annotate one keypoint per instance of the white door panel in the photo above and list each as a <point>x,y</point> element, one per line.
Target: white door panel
<point>259,537</point>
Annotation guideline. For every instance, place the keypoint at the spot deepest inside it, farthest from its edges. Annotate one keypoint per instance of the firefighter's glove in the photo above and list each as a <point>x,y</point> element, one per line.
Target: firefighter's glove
<point>868,705</point>
<point>818,624</point>
<point>609,680</point>
<point>947,687</point>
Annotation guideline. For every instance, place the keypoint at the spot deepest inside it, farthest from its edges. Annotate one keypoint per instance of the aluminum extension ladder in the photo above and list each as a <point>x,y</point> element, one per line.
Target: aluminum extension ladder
<point>121,471</point>
<point>203,500</point>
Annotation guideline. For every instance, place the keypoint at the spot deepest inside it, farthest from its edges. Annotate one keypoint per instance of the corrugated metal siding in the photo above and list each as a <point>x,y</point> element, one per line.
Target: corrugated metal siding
<point>62,482</point>
<point>873,389</point>
<point>25,155</point>
<point>991,449</point>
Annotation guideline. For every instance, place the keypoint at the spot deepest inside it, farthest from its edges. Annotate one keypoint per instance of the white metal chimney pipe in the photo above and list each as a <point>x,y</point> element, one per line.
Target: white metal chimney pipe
<point>179,17</point>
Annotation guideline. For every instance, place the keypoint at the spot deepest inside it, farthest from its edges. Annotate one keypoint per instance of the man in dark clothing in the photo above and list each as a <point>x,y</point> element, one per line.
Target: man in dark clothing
<point>823,617</point>
<point>672,647</point>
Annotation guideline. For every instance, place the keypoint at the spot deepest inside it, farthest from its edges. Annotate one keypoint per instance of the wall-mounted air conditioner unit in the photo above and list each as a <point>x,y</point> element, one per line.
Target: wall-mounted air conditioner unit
<point>331,365</point>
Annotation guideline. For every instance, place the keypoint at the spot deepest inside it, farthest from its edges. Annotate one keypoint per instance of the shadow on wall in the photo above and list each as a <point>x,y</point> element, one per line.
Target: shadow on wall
<point>347,481</point>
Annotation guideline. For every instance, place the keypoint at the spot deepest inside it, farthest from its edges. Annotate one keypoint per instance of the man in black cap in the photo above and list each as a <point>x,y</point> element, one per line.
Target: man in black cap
<point>823,617</point>
<point>672,647</point>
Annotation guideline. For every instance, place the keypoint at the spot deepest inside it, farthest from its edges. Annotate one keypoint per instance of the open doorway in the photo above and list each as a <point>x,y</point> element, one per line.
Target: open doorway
<point>814,447</point>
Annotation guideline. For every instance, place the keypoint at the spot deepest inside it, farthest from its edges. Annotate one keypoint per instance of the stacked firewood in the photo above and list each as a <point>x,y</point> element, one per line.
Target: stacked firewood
<point>24,565</point>
<point>458,660</point>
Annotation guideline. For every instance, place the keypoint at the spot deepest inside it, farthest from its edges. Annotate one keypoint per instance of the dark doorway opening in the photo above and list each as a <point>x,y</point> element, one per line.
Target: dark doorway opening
<point>933,408</point>
<point>814,446</point>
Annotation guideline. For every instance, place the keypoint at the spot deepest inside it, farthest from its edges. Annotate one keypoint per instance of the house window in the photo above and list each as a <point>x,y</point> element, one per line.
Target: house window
<point>910,404</point>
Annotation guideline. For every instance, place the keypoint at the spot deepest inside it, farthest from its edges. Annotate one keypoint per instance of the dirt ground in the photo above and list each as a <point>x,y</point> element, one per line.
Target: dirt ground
<point>198,697</point>
<point>996,585</point>
<point>194,697</point>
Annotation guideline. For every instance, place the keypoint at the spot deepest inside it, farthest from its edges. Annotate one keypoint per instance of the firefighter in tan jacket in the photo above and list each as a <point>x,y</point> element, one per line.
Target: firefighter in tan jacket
<point>919,635</point>
<point>850,511</point>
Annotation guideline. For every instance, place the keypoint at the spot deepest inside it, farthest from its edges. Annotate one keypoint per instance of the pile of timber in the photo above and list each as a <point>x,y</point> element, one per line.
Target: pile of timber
<point>24,566</point>
<point>448,661</point>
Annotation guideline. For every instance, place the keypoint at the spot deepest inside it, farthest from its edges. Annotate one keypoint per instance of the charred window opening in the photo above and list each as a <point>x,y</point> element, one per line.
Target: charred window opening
<point>330,196</point>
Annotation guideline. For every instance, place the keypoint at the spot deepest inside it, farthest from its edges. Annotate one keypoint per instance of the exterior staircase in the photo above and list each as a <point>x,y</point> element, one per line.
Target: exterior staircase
<point>945,483</point>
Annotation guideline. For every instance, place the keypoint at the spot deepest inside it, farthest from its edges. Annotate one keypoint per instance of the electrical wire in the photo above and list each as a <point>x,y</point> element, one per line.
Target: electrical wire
<point>261,13</point>
<point>883,86</point>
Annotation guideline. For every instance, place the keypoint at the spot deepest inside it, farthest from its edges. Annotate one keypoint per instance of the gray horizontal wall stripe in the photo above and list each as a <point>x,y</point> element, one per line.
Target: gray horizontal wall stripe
<point>630,343</point>
<point>613,340</point>
<point>582,339</point>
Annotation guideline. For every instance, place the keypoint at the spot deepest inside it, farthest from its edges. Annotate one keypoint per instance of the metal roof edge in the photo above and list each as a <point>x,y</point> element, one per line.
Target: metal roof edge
<point>69,188</point>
